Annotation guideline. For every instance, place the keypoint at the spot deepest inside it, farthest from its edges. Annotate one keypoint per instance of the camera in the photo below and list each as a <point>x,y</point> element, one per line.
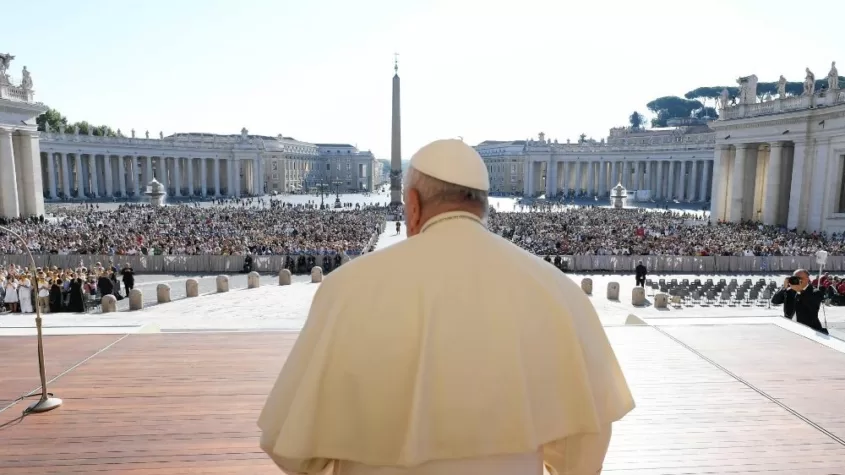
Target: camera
<point>794,280</point>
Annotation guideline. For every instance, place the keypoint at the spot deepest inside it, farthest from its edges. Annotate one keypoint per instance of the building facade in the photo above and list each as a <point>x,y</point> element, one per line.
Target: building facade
<point>197,165</point>
<point>660,164</point>
<point>20,173</point>
<point>781,160</point>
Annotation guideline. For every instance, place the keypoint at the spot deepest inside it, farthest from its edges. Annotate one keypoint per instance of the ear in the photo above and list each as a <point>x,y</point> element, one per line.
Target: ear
<point>413,212</point>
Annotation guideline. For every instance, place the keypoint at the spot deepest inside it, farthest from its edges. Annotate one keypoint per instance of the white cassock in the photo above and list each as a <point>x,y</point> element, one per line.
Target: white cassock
<point>452,352</point>
<point>25,294</point>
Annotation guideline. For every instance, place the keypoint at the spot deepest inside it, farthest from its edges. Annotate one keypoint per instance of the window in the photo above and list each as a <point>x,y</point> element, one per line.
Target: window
<point>328,166</point>
<point>275,166</point>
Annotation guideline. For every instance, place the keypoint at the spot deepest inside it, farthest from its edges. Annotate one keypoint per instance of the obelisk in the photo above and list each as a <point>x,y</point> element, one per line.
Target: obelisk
<point>396,142</point>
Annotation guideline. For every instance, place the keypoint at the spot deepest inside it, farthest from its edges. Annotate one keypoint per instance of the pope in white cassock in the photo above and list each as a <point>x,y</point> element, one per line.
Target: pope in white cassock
<point>452,352</point>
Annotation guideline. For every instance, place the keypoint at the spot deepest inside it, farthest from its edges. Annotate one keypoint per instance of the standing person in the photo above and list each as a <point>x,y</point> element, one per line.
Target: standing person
<point>398,227</point>
<point>799,296</point>
<point>25,296</point>
<point>43,294</point>
<point>11,297</point>
<point>641,272</point>
<point>447,373</point>
<point>128,278</point>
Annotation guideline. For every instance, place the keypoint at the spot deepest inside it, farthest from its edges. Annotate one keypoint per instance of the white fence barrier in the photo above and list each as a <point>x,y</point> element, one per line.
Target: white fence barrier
<point>234,264</point>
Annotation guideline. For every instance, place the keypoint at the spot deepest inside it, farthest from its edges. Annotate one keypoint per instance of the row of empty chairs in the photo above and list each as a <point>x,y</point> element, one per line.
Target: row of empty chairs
<point>723,292</point>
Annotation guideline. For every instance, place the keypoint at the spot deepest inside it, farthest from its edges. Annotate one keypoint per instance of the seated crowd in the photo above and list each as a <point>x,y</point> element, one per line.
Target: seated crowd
<point>606,231</point>
<point>189,230</point>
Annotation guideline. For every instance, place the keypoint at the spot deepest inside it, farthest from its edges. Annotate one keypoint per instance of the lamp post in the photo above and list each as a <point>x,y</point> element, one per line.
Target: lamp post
<point>47,402</point>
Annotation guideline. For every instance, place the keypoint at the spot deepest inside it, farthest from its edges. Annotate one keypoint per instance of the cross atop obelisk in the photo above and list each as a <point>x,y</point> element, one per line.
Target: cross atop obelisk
<point>396,141</point>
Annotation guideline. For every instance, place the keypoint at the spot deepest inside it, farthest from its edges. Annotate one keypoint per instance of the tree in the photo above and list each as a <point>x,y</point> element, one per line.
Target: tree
<point>56,119</point>
<point>671,107</point>
<point>708,112</point>
<point>636,120</point>
<point>52,117</point>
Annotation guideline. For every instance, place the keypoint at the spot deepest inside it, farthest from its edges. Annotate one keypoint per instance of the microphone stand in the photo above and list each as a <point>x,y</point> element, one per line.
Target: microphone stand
<point>47,401</point>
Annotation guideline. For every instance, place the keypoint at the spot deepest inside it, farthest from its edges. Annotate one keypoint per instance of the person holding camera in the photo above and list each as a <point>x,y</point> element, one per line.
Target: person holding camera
<point>800,298</point>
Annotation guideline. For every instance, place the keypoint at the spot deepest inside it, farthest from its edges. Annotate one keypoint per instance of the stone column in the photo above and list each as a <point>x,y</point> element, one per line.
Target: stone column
<point>532,185</point>
<point>564,182</point>
<point>718,195</point>
<point>177,177</point>
<point>9,205</point>
<point>705,178</point>
<point>51,173</point>
<point>551,178</point>
<point>65,175</point>
<point>603,188</point>
<point>204,176</point>
<point>670,192</point>
<point>591,177</point>
<point>626,174</point>
<point>692,194</point>
<point>638,184</point>
<point>133,174</point>
<point>232,175</point>
<point>109,185</point>
<point>92,171</point>
<point>682,180</point>
<point>254,174</point>
<point>773,193</point>
<point>77,159</point>
<point>647,169</point>
<point>122,175</point>
<point>163,172</point>
<point>236,177</point>
<point>799,162</point>
<point>216,172</point>
<point>737,204</point>
<point>150,175</point>
<point>31,181</point>
<point>614,174</point>
<point>658,185</point>
<point>525,173</point>
<point>189,164</point>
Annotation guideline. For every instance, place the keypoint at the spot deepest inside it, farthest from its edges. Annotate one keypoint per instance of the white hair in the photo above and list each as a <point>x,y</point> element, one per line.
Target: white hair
<point>434,191</point>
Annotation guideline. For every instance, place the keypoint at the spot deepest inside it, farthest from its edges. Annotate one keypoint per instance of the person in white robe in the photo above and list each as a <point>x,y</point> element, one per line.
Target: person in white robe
<point>25,295</point>
<point>451,352</point>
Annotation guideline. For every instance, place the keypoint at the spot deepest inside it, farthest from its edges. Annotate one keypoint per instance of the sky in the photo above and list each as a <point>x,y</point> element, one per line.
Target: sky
<point>321,71</point>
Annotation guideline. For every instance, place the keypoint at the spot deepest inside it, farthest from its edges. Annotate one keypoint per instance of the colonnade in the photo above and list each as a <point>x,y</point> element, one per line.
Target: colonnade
<point>681,179</point>
<point>755,181</point>
<point>80,175</point>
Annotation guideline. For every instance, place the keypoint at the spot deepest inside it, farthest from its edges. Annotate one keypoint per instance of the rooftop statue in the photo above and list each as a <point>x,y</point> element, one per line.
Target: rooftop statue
<point>26,82</point>
<point>782,87</point>
<point>833,77</point>
<point>723,99</point>
<point>809,83</point>
<point>5,61</point>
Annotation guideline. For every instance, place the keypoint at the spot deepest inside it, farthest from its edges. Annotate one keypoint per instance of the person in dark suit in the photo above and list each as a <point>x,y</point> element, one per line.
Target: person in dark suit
<point>801,299</point>
<point>104,286</point>
<point>640,272</point>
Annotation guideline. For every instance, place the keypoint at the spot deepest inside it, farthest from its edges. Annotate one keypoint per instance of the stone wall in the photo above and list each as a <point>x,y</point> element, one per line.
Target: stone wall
<point>234,264</point>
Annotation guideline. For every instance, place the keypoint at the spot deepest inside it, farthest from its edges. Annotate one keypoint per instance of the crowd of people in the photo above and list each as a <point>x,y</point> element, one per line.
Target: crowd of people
<point>607,231</point>
<point>192,230</point>
<point>278,228</point>
<point>61,290</point>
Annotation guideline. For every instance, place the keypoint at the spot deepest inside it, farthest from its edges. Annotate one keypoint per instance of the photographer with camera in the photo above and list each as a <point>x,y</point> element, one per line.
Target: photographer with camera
<point>800,298</point>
